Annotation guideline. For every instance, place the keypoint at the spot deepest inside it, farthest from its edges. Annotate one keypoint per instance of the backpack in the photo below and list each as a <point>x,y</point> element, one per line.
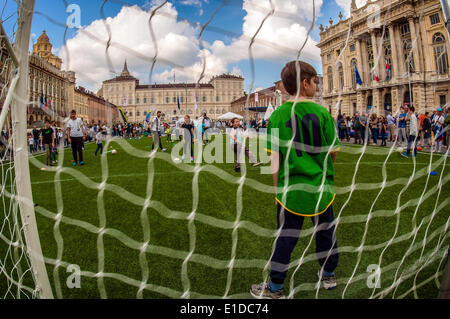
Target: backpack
<point>357,124</point>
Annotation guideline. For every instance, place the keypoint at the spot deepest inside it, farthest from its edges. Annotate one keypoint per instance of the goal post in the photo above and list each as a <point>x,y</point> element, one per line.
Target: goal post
<point>24,196</point>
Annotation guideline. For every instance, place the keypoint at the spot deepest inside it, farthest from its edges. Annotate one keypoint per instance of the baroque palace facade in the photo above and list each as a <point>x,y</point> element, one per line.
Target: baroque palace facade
<point>48,83</point>
<point>415,45</point>
<point>56,89</point>
<point>137,100</point>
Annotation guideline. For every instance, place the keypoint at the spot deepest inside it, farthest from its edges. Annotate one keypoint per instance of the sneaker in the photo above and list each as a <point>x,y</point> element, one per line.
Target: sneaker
<point>237,170</point>
<point>328,282</point>
<point>405,155</point>
<point>163,150</point>
<point>182,158</point>
<point>192,159</point>
<point>257,164</point>
<point>262,291</point>
<point>74,164</point>
<point>81,163</point>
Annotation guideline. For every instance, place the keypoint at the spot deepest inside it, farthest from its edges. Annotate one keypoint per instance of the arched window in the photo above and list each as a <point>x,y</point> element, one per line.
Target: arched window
<point>440,53</point>
<point>408,55</point>
<point>330,79</point>
<point>353,68</point>
<point>407,47</point>
<point>341,76</point>
<point>370,57</point>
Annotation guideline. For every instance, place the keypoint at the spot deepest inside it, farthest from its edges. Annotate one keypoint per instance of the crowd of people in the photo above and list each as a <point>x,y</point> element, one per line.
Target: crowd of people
<point>407,128</point>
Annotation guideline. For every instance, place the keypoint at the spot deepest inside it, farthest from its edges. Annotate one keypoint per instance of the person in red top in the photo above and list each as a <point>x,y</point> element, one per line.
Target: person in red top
<point>421,131</point>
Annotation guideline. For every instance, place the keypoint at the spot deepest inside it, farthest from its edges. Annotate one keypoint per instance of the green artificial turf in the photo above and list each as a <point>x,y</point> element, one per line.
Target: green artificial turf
<point>189,225</point>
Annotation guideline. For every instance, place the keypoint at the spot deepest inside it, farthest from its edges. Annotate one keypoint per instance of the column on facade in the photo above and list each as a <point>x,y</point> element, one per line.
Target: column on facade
<point>395,59</point>
<point>426,48</point>
<point>336,75</point>
<point>415,44</point>
<point>399,47</point>
<point>364,62</point>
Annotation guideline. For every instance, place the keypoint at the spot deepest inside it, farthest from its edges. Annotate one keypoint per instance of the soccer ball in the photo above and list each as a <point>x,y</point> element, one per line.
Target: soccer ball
<point>400,149</point>
<point>419,148</point>
<point>113,152</point>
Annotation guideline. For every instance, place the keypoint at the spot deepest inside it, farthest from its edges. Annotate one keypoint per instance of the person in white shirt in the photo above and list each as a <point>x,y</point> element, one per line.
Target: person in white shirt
<point>438,125</point>
<point>413,133</point>
<point>156,132</point>
<point>236,144</point>
<point>206,126</point>
<point>391,126</point>
<point>99,137</point>
<point>76,133</point>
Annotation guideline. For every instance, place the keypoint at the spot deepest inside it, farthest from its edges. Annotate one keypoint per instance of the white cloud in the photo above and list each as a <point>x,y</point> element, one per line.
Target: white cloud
<point>278,40</point>
<point>346,5</point>
<point>281,35</point>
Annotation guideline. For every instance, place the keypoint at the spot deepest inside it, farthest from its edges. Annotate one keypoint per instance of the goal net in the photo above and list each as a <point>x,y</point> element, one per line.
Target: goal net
<point>140,223</point>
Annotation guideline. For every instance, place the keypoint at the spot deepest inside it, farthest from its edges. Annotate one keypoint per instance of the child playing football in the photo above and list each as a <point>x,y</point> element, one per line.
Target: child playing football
<point>303,144</point>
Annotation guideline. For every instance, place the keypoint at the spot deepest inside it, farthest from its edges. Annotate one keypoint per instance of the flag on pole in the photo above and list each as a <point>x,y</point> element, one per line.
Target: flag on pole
<point>45,103</point>
<point>358,77</point>
<point>178,102</point>
<point>256,96</point>
<point>49,105</point>
<point>375,75</point>
<point>147,117</point>
<point>388,68</point>
<point>123,116</point>
<point>269,112</point>
<point>41,100</point>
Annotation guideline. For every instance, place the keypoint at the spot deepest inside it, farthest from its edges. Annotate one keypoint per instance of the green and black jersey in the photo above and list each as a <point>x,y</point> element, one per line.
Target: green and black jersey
<point>306,174</point>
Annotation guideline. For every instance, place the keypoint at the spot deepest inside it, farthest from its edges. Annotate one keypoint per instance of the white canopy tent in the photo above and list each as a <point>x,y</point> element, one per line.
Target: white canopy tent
<point>230,116</point>
<point>269,112</point>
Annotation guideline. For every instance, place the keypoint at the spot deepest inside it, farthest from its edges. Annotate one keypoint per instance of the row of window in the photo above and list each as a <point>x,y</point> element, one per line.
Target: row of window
<point>230,86</point>
<point>182,111</point>
<point>439,51</point>
<point>168,100</point>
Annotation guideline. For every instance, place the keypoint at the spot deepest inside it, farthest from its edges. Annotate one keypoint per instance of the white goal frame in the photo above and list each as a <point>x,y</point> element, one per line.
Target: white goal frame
<point>18,96</point>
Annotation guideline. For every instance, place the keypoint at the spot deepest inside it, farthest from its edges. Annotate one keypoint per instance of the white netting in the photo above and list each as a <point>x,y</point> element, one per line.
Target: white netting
<point>16,277</point>
<point>423,238</point>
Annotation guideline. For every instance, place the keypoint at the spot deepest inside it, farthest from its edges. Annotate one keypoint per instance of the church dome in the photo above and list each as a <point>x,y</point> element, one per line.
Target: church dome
<point>43,38</point>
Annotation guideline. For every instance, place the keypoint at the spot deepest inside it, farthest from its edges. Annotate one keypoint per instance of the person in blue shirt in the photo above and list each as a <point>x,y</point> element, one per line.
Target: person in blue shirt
<point>401,135</point>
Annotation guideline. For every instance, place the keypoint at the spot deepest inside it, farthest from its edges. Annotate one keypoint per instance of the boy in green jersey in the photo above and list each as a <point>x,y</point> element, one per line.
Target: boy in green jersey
<point>303,144</point>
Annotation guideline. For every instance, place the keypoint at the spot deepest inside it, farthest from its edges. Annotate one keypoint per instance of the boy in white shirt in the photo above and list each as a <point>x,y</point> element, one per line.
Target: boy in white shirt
<point>99,137</point>
<point>236,144</point>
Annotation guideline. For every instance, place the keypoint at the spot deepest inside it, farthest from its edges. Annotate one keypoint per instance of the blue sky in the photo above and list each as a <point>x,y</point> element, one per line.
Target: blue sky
<point>226,47</point>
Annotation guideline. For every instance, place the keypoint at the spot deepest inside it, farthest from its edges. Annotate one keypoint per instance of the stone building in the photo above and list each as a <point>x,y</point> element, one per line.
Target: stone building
<point>48,85</point>
<point>275,95</point>
<point>137,100</point>
<point>43,49</point>
<point>409,36</point>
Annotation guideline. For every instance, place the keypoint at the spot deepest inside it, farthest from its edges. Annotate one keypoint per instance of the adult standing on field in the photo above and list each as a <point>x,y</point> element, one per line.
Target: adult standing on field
<point>156,134</point>
<point>48,140</point>
<point>36,135</point>
<point>76,133</point>
<point>391,126</point>
<point>412,133</point>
